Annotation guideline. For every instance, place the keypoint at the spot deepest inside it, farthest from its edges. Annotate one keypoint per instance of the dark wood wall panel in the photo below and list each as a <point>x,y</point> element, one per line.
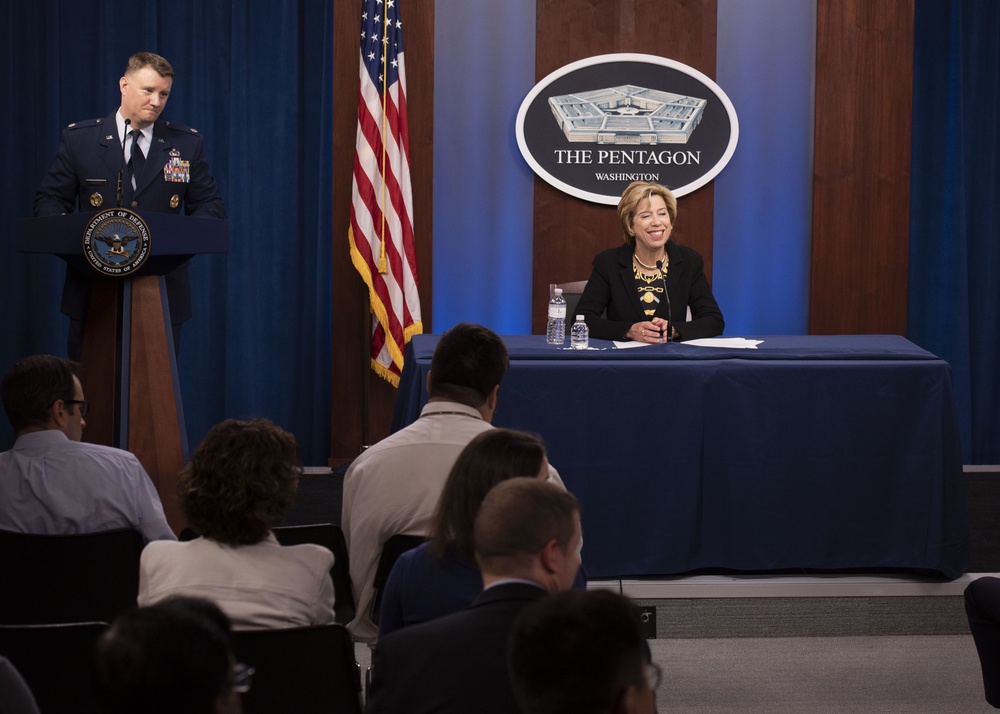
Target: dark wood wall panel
<point>569,232</point>
<point>361,402</point>
<point>861,191</point>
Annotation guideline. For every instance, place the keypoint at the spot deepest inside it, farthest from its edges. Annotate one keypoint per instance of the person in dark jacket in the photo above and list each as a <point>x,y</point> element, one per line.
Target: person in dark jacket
<point>642,290</point>
<point>165,172</point>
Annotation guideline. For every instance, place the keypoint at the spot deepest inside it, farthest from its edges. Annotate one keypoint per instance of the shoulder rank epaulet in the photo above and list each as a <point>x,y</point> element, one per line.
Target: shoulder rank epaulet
<point>181,127</point>
<point>85,123</point>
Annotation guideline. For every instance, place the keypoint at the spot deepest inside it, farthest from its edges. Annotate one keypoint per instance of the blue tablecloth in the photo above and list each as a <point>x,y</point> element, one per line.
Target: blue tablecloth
<point>811,452</point>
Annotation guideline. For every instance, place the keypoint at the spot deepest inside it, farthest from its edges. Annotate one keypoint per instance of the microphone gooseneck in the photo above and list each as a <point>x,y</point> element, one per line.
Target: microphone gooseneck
<point>663,276</point>
<point>119,194</point>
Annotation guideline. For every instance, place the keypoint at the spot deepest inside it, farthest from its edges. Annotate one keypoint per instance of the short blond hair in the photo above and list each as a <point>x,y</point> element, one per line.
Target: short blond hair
<point>633,195</point>
<point>141,60</point>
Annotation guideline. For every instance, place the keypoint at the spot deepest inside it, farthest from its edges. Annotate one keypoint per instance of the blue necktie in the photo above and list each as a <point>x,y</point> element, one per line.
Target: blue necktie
<point>137,160</point>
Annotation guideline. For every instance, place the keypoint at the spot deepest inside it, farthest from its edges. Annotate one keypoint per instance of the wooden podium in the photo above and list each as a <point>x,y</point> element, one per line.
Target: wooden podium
<point>129,366</point>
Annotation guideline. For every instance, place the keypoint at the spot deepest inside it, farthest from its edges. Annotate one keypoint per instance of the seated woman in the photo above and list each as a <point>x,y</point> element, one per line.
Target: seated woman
<point>625,299</point>
<point>240,483</point>
<point>441,576</point>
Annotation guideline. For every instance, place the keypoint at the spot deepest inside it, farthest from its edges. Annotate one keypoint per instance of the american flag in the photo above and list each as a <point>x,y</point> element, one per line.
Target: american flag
<point>381,232</point>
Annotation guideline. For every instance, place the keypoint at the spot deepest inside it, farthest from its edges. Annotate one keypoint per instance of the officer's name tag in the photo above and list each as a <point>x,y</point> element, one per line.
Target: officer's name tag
<point>177,171</point>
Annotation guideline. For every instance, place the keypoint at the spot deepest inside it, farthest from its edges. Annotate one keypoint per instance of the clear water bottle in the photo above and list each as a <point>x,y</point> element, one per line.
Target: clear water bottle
<point>579,336</point>
<point>555,333</point>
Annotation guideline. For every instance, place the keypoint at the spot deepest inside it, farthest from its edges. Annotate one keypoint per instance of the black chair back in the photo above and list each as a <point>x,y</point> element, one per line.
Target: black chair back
<point>307,670</point>
<point>331,537</point>
<point>55,662</point>
<point>391,550</point>
<point>68,578</point>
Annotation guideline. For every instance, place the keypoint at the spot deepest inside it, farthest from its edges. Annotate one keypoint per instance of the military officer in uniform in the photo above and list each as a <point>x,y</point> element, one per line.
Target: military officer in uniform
<point>166,172</point>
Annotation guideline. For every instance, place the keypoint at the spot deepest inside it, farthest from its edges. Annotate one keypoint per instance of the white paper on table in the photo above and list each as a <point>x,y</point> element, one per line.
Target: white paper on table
<point>630,344</point>
<point>738,343</point>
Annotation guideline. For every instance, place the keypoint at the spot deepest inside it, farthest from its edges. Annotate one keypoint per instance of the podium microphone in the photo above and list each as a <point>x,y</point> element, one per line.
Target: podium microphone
<point>121,169</point>
<point>663,276</point>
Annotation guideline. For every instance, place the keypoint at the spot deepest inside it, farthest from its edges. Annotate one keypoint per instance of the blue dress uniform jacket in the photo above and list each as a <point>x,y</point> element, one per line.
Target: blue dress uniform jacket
<point>84,178</point>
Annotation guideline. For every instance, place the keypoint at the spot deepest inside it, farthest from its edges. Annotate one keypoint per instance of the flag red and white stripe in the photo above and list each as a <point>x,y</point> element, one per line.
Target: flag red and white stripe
<point>381,231</point>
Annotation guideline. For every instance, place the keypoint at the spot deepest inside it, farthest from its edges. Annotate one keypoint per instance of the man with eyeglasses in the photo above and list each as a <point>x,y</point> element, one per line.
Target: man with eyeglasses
<point>53,483</point>
<point>582,653</point>
<point>172,657</point>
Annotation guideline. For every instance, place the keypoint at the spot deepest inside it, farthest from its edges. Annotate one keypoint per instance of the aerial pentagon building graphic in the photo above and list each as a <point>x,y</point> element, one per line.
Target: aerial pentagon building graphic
<point>627,115</point>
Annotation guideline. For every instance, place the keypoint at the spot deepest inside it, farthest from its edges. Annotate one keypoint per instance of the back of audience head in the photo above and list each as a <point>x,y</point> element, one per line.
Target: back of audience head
<point>241,481</point>
<point>529,528</point>
<point>582,653</point>
<point>468,365</point>
<point>491,457</point>
<point>175,656</point>
<point>36,384</point>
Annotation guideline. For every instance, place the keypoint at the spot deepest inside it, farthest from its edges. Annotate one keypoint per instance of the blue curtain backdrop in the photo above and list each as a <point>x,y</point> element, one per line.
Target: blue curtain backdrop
<point>255,77</point>
<point>954,293</point>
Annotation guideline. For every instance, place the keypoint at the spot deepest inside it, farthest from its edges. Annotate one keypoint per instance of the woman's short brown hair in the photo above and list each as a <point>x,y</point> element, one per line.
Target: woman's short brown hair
<point>241,481</point>
<point>633,195</point>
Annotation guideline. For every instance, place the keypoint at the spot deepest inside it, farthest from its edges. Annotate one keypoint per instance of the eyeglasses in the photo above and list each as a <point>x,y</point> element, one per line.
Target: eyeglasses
<point>242,677</point>
<point>653,674</point>
<point>84,406</point>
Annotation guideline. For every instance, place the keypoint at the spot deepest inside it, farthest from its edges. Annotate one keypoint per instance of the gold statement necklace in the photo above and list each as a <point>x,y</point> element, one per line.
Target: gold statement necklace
<point>647,292</point>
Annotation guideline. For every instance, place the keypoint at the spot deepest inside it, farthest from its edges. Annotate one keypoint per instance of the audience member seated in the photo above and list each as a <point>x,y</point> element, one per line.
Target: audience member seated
<point>51,482</point>
<point>172,657</point>
<point>240,483</point>
<point>15,696</point>
<point>982,605</point>
<point>527,542</point>
<point>582,652</point>
<point>393,487</point>
<point>440,577</point>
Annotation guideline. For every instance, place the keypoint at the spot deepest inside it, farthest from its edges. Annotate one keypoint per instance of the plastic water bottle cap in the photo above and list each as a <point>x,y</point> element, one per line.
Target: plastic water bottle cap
<point>558,291</point>
<point>579,317</point>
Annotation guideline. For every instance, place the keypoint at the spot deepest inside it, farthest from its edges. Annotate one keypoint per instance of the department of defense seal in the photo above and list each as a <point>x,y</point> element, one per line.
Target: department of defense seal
<point>116,242</point>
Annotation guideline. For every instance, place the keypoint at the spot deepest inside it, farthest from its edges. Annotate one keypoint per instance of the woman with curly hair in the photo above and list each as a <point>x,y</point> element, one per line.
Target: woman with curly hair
<point>239,485</point>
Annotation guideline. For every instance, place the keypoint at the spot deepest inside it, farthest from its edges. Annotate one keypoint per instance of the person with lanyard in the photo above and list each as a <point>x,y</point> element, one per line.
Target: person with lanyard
<point>393,487</point>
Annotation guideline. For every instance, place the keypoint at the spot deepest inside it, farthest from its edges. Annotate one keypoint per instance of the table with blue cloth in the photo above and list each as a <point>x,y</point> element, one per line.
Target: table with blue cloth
<point>808,453</point>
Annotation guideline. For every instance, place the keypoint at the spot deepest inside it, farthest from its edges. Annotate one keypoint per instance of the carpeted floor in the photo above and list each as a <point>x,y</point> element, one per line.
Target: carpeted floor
<point>846,675</point>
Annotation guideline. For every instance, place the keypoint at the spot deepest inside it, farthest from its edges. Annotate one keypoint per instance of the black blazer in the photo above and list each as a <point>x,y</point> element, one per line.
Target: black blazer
<point>610,302</point>
<point>84,178</point>
<point>453,665</point>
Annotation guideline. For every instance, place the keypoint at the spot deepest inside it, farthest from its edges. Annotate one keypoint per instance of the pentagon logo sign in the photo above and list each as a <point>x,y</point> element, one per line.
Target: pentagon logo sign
<point>594,126</point>
<point>116,242</point>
